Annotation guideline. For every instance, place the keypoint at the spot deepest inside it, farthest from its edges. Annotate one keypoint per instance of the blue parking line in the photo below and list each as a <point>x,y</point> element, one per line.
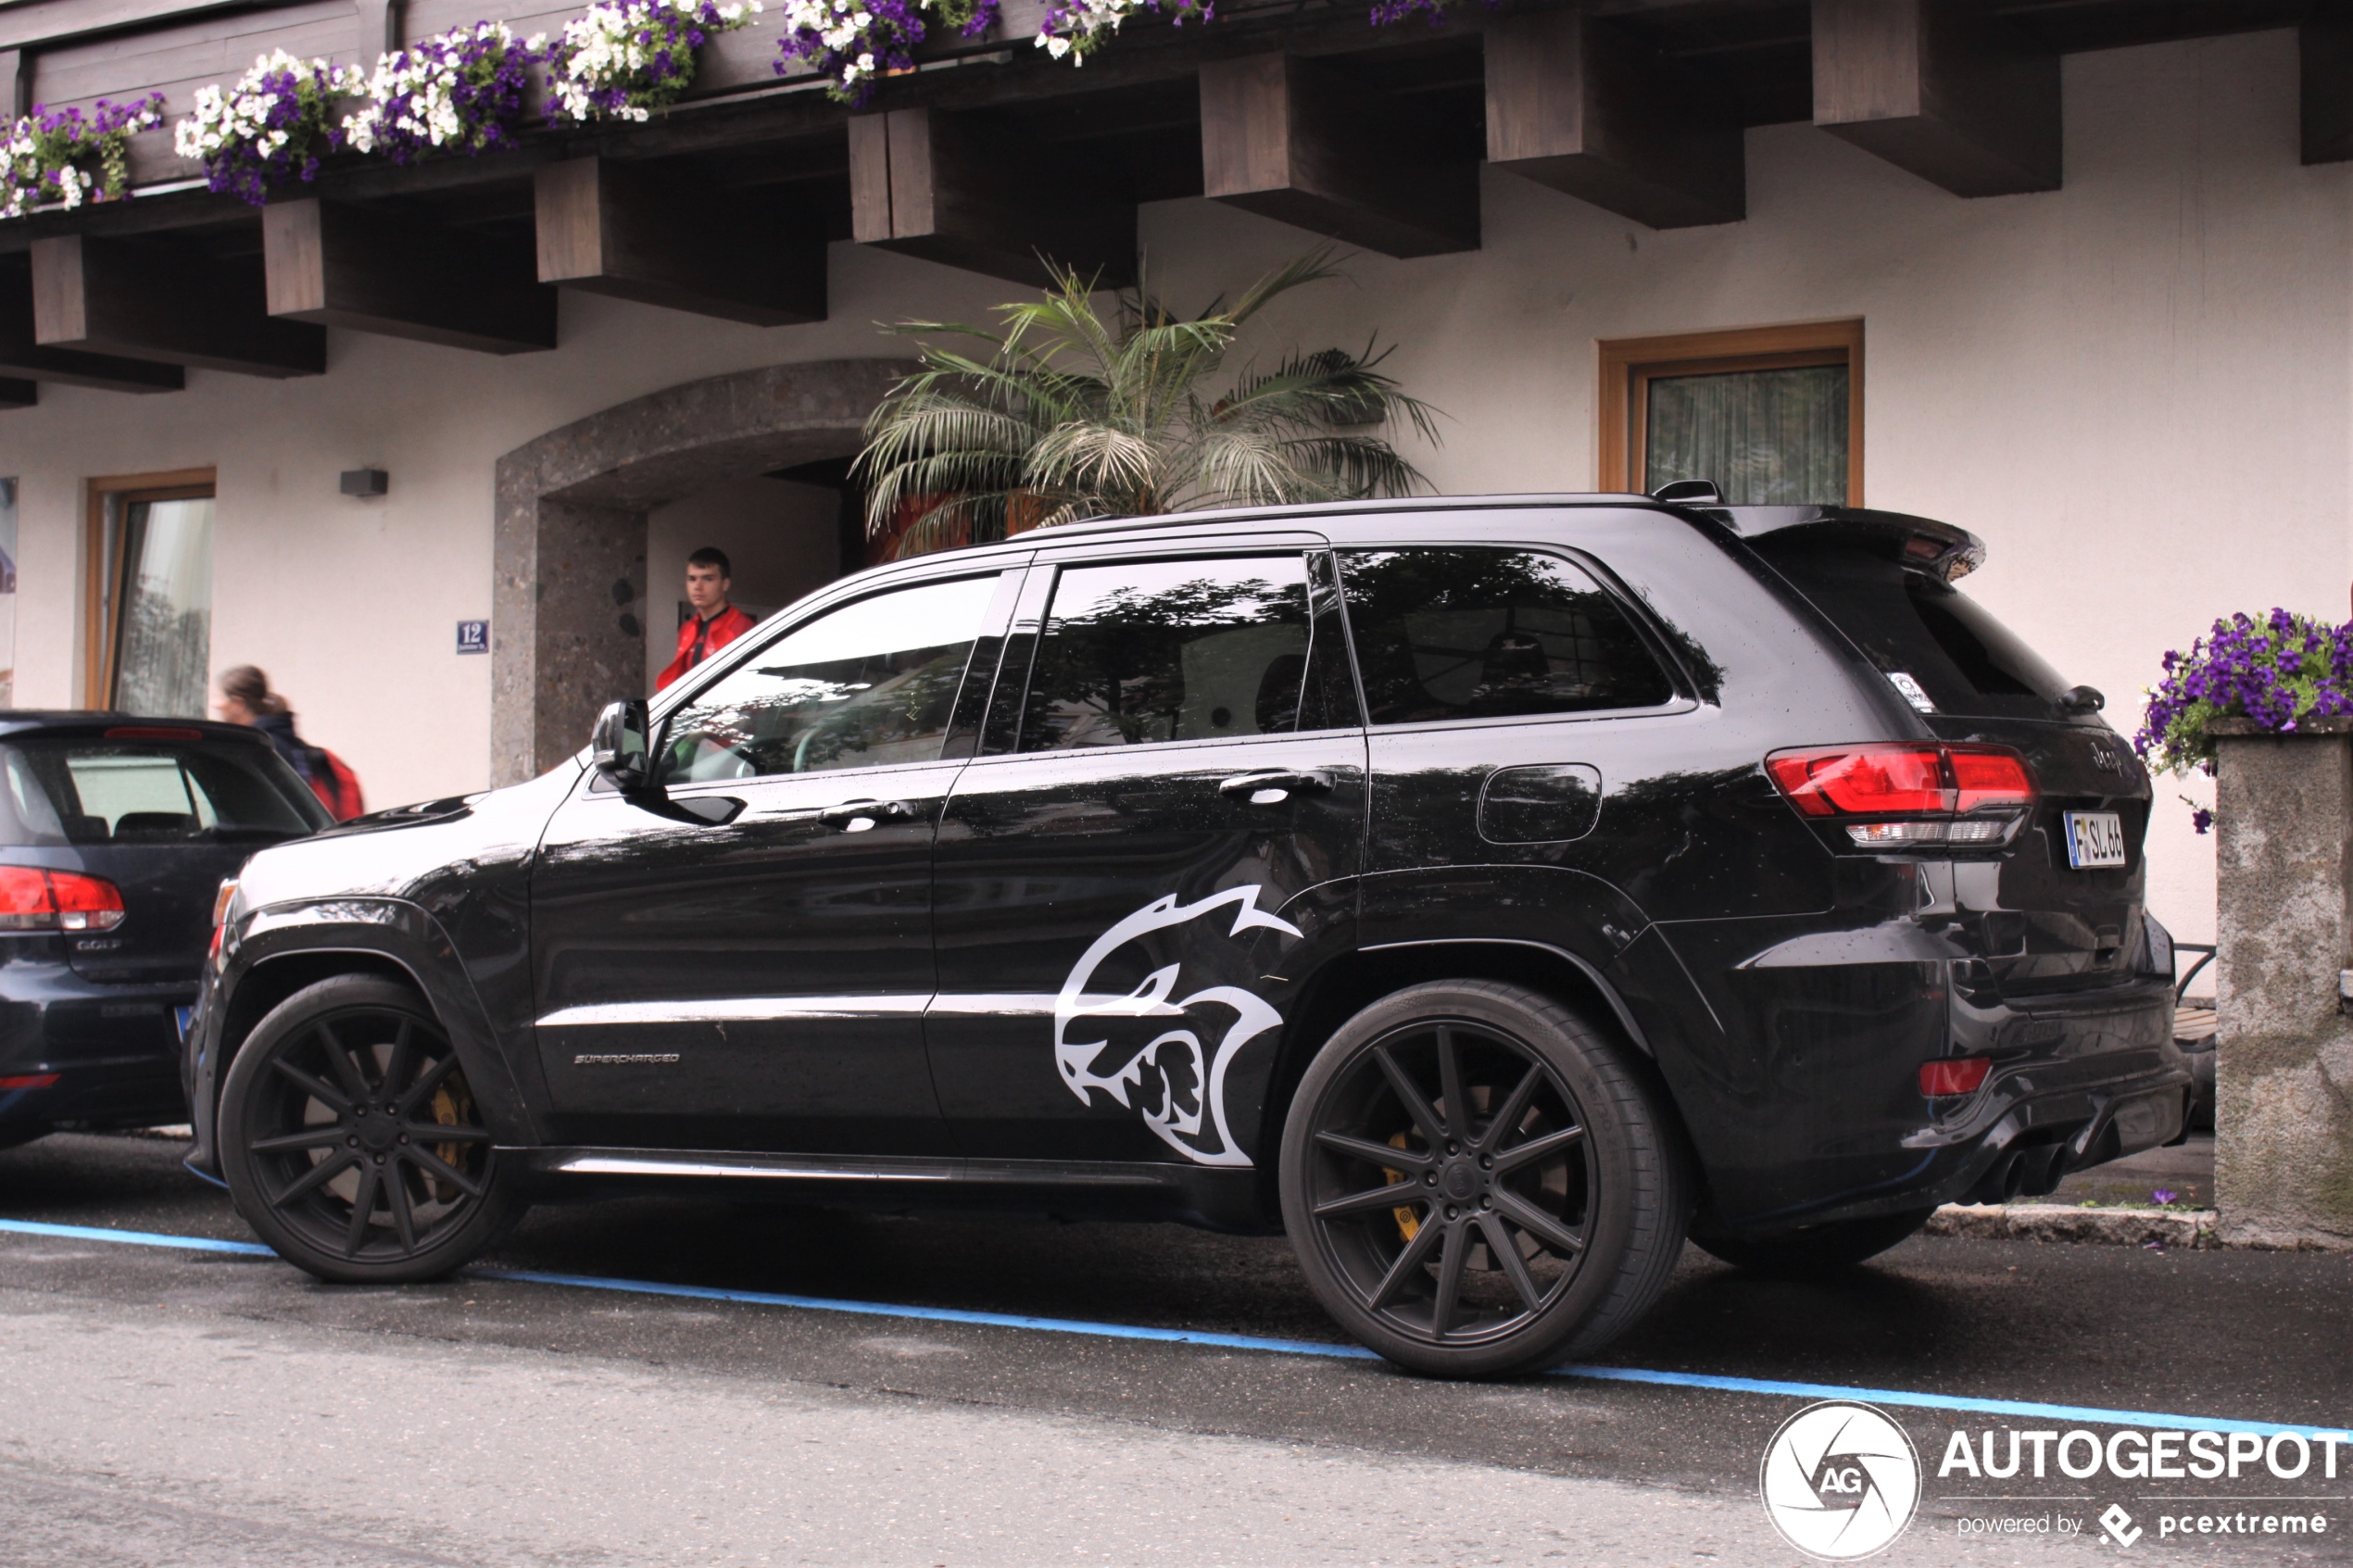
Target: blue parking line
<point>136,1238</point>
<point>1948,1402</point>
<point>1901,1398</point>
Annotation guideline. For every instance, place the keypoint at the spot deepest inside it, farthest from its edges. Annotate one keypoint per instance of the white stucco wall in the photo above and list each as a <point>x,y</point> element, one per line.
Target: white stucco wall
<point>2138,389</point>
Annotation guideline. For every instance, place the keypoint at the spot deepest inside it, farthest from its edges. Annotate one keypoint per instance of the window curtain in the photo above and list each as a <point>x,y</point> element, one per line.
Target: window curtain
<point>1766,437</point>
<point>164,655</point>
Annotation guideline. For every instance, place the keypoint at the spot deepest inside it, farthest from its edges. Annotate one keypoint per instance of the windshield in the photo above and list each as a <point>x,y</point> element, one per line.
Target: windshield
<point>1946,646</point>
<point>71,790</point>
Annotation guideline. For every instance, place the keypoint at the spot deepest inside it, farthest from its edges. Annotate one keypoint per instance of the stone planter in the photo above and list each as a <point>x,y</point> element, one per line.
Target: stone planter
<point>2284,1063</point>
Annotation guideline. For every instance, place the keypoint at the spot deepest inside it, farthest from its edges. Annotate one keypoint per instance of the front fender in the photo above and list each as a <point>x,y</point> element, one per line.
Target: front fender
<point>366,932</point>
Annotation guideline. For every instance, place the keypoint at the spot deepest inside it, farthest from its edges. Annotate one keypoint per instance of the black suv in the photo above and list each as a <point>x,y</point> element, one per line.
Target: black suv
<point>1488,892</point>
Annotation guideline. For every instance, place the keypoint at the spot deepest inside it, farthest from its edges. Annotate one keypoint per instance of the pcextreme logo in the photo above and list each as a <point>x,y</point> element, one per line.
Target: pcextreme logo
<point>1840,1480</point>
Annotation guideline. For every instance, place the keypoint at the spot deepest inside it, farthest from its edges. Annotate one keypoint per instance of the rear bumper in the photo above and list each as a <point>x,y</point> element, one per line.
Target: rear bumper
<point>2076,1081</point>
<point>86,1055</point>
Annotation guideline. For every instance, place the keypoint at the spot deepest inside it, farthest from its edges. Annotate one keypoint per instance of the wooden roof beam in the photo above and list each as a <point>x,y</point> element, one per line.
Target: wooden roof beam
<point>1576,104</point>
<point>954,189</point>
<point>166,301</point>
<point>1296,141</point>
<point>1943,88</point>
<point>337,265</point>
<point>633,233</point>
<point>2324,51</point>
<point>22,356</point>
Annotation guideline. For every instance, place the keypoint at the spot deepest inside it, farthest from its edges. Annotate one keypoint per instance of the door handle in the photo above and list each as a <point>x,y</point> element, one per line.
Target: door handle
<point>1273,787</point>
<point>857,816</point>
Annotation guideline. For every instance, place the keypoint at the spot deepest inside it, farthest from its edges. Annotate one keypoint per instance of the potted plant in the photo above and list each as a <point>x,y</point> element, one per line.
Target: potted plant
<point>1069,416</point>
<point>2282,674</point>
<point>68,157</point>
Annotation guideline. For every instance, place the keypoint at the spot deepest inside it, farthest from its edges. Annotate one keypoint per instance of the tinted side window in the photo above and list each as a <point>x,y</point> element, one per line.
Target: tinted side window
<point>1173,650</point>
<point>1474,633</point>
<point>1910,623</point>
<point>869,684</point>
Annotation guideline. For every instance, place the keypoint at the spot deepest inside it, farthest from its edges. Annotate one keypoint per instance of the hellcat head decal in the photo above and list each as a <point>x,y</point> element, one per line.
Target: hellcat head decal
<point>1171,1078</point>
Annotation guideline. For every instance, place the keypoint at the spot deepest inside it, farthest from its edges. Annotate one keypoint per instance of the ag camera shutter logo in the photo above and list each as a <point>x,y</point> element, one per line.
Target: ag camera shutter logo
<point>1840,1480</point>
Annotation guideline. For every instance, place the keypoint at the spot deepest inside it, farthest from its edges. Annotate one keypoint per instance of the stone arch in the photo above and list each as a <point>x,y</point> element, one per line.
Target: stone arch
<point>570,541</point>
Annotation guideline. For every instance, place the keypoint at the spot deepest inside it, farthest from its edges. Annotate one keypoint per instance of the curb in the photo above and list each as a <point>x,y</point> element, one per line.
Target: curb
<point>2191,1228</point>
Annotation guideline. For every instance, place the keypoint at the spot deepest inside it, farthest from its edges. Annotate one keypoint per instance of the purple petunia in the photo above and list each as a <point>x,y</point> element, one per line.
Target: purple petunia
<point>2280,671</point>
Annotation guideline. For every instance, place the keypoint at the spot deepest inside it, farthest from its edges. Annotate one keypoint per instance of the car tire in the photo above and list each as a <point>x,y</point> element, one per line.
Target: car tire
<point>351,1141</point>
<point>1532,1217</point>
<point>1816,1252</point>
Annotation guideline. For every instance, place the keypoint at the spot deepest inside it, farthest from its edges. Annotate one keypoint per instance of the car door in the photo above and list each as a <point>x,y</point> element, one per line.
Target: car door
<point>758,983</point>
<point>1170,806</point>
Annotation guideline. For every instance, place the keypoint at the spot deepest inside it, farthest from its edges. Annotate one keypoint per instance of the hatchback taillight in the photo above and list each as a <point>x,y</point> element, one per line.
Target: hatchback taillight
<point>32,898</point>
<point>1900,797</point>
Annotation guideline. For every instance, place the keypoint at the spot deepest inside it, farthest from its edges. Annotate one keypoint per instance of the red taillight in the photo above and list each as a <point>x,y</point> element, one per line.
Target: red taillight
<point>31,1081</point>
<point>152,732</point>
<point>1863,781</point>
<point>1956,1075</point>
<point>35,900</point>
<point>1989,779</point>
<point>1925,787</point>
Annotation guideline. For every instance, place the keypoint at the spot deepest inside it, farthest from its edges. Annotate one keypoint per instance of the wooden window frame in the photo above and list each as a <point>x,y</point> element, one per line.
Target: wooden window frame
<point>102,581</point>
<point>1630,365</point>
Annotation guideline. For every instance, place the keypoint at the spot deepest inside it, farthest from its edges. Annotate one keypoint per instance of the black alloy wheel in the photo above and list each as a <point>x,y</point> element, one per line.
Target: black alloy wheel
<point>1478,1183</point>
<point>352,1142</point>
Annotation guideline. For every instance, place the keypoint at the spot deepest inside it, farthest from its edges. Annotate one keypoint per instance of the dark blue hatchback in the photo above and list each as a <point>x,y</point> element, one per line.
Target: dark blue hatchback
<point>115,836</point>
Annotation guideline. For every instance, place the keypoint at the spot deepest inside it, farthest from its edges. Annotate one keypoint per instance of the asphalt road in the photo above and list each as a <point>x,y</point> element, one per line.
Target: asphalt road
<point>160,1405</point>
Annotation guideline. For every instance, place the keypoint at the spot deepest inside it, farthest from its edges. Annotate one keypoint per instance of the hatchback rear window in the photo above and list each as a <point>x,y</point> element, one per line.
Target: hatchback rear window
<point>1910,625</point>
<point>71,790</point>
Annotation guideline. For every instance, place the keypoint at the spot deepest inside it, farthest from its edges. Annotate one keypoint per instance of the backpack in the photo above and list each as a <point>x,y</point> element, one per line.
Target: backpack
<point>335,784</point>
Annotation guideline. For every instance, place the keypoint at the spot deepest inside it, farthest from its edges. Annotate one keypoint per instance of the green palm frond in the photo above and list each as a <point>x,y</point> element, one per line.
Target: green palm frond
<point>1072,412</point>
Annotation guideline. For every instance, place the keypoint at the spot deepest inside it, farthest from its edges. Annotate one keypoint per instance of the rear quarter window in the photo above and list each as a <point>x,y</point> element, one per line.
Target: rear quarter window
<point>1483,632</point>
<point>1908,624</point>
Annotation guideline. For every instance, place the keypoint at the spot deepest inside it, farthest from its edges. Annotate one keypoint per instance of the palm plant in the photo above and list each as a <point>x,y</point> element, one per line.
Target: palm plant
<point>1069,416</point>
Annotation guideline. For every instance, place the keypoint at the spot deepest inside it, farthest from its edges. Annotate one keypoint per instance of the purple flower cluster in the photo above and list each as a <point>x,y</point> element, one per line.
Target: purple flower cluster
<point>270,126</point>
<point>856,43</point>
<point>43,155</point>
<point>1387,12</point>
<point>2280,671</point>
<point>627,58</point>
<point>461,92</point>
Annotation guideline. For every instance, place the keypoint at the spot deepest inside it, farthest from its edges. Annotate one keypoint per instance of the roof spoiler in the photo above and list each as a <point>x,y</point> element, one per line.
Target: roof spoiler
<point>1922,544</point>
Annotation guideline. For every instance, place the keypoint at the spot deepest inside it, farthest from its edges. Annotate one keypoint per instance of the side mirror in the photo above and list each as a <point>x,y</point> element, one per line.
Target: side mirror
<point>617,748</point>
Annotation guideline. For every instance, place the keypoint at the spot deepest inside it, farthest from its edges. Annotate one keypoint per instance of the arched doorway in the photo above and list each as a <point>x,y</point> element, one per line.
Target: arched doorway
<point>570,603</point>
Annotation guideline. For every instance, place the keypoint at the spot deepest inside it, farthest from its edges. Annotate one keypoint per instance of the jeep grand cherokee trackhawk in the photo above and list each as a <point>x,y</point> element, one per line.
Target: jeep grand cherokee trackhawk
<point>1487,892</point>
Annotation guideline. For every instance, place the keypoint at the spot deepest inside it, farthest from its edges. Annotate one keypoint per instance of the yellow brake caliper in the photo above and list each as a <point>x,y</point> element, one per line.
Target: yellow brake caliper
<point>452,1107</point>
<point>1409,1223</point>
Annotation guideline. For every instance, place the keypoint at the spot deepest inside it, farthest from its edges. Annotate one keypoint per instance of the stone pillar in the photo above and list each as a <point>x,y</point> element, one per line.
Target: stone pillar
<point>2284,1068</point>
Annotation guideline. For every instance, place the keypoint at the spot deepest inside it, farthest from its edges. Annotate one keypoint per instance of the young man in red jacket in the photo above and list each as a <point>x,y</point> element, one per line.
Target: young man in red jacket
<point>715,622</point>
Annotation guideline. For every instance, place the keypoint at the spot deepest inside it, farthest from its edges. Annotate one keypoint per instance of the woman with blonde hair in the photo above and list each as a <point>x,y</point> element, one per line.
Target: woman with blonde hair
<point>246,698</point>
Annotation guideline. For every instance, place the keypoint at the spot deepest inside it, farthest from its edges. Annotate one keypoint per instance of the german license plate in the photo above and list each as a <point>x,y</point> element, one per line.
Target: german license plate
<point>2095,839</point>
